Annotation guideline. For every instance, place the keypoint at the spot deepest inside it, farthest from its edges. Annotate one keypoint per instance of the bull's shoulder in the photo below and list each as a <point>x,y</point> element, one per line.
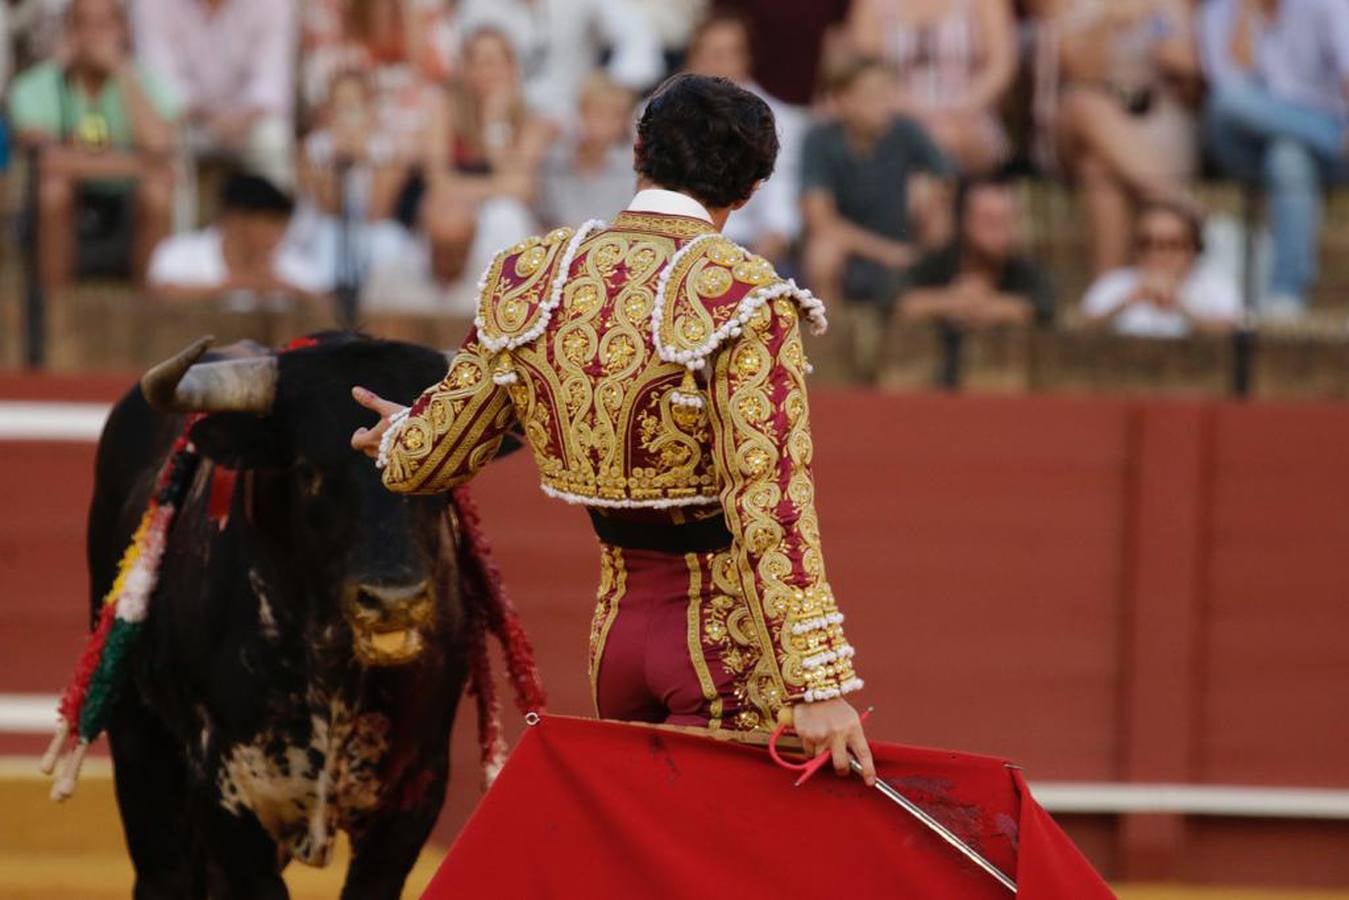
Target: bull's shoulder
<point>516,292</point>
<point>710,290</point>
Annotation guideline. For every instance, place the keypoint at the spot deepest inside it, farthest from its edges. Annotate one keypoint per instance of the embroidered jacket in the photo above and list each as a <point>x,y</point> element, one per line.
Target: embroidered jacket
<point>654,365</point>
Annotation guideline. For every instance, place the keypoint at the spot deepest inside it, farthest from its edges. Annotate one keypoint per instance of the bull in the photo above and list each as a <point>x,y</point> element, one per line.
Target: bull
<point>305,649</point>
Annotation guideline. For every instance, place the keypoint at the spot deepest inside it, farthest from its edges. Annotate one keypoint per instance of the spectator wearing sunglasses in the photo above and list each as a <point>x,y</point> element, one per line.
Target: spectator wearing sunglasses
<point>1168,292</point>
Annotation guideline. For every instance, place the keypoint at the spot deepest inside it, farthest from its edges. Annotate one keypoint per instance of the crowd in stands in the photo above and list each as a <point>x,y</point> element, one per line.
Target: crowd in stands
<point>250,148</point>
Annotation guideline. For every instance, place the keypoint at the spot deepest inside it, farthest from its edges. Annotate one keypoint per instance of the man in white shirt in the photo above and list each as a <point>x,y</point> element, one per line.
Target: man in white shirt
<point>559,42</point>
<point>232,64</point>
<point>1168,293</point>
<point>245,254</point>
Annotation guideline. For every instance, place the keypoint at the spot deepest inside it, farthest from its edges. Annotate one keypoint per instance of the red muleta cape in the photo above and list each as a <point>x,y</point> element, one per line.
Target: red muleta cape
<point>587,808</point>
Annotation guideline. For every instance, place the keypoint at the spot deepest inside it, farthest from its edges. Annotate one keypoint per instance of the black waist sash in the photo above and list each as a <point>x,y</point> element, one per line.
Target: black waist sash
<point>700,536</point>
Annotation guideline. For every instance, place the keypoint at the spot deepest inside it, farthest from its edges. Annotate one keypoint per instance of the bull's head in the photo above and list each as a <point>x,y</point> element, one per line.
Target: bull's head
<point>339,543</point>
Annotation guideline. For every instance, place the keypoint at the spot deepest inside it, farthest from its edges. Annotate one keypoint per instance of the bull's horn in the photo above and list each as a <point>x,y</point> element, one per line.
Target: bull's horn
<point>181,384</point>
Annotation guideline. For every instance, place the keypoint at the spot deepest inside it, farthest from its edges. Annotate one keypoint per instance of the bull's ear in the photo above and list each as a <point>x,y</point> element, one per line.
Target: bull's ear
<point>241,441</point>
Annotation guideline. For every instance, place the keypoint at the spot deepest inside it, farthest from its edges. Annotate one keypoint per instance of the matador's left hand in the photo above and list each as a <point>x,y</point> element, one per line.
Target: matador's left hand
<point>366,440</point>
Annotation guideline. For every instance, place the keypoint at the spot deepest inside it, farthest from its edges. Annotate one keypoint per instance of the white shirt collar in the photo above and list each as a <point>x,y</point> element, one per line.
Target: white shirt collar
<point>669,203</point>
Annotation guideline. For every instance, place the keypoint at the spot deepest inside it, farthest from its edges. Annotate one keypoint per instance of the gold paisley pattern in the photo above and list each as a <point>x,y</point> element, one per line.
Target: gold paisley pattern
<point>517,283</point>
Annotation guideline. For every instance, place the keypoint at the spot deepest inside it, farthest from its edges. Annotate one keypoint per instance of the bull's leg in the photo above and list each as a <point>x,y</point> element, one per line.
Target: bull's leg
<point>152,795</point>
<point>385,852</point>
<point>243,862</point>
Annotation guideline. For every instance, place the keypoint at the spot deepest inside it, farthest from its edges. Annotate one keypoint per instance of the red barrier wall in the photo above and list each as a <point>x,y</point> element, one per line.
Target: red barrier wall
<point>1101,589</point>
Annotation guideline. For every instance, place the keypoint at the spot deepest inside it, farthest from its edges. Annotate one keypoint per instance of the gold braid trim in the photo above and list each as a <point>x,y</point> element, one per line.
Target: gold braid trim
<point>760,421</point>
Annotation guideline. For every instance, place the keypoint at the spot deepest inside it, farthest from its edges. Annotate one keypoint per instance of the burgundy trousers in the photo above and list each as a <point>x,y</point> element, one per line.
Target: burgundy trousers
<point>672,640</point>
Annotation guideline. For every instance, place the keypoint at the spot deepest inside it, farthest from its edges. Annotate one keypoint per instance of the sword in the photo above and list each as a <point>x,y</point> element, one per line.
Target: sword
<point>938,828</point>
<point>810,767</point>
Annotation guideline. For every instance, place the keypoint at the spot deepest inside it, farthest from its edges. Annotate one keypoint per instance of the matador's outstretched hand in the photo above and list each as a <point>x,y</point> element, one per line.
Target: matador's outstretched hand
<point>366,440</point>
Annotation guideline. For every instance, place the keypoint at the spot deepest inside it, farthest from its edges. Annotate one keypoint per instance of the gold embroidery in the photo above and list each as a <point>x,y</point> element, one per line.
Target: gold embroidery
<point>714,281</point>
<point>695,643</point>
<point>511,300</point>
<point>724,253</point>
<point>456,426</point>
<point>755,270</point>
<point>613,585</point>
<point>790,610</point>
<point>595,400</point>
<point>728,627</point>
<point>672,226</point>
<point>528,263</point>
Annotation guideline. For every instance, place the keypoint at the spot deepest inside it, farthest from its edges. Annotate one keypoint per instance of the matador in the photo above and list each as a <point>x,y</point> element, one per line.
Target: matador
<point>657,374</point>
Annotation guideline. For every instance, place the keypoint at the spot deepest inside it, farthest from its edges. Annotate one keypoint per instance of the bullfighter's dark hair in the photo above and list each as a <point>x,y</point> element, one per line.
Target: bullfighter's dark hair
<point>248,193</point>
<point>707,138</point>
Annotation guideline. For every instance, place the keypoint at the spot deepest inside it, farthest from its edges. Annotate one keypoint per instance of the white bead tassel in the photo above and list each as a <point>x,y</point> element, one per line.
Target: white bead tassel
<point>390,435</point>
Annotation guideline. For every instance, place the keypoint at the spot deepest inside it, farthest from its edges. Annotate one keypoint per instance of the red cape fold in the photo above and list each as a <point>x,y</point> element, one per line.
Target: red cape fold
<point>606,809</point>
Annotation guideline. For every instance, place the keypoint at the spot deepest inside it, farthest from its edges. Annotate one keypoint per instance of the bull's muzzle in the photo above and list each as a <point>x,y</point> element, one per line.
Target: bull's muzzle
<point>389,622</point>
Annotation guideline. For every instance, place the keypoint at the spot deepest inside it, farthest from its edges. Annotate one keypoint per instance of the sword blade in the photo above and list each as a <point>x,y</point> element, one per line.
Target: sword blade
<point>940,830</point>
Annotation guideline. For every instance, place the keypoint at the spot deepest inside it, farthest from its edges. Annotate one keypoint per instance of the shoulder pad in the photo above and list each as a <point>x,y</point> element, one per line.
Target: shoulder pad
<point>517,293</point>
<point>707,293</point>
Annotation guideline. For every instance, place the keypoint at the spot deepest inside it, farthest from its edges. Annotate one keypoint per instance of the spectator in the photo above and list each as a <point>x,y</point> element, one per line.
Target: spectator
<point>590,175</point>
<point>36,30</point>
<point>491,142</point>
<point>1167,292</point>
<point>771,221</point>
<point>1278,71</point>
<point>474,195</point>
<point>349,137</point>
<point>855,174</point>
<point>674,21</point>
<point>404,48</point>
<point>983,277</point>
<point>1112,81</point>
<point>790,39</point>
<point>105,130</point>
<point>559,42</point>
<point>233,64</point>
<point>244,253</point>
<point>351,172</point>
<point>955,60</point>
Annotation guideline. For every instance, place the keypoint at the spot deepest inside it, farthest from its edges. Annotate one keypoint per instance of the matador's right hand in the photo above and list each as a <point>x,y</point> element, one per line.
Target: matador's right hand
<point>834,725</point>
<point>366,440</point>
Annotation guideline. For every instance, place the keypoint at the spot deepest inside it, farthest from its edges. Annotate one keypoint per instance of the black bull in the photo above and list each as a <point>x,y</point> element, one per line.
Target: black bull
<point>304,651</point>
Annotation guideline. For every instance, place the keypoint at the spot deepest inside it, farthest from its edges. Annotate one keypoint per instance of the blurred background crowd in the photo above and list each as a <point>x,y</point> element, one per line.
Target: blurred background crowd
<point>1153,168</point>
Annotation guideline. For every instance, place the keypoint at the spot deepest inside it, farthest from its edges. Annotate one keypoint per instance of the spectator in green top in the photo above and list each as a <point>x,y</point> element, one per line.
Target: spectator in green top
<point>105,131</point>
<point>860,237</point>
